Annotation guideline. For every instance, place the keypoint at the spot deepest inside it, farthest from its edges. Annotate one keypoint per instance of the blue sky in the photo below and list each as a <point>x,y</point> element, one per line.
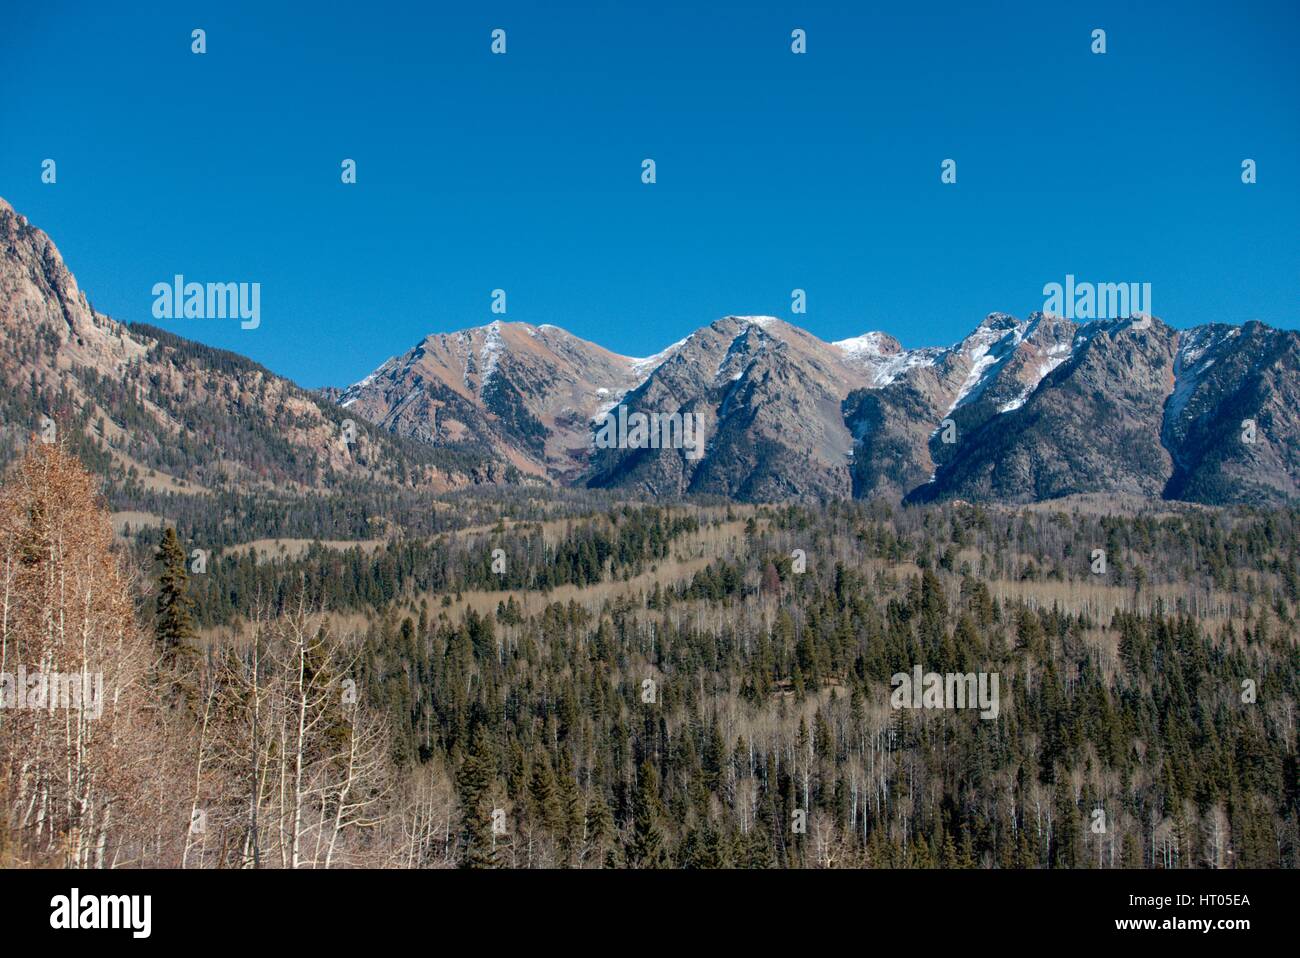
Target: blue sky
<point>775,171</point>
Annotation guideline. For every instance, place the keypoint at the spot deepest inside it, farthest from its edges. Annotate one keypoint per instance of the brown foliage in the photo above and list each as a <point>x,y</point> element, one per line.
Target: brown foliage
<point>76,769</point>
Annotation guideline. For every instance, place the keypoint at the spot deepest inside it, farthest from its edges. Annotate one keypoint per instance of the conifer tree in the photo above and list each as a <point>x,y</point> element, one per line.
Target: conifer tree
<point>600,824</point>
<point>646,847</point>
<point>174,620</point>
<point>545,799</point>
<point>475,782</point>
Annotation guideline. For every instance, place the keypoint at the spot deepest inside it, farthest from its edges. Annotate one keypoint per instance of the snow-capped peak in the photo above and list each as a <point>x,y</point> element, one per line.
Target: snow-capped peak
<point>869,344</point>
<point>883,357</point>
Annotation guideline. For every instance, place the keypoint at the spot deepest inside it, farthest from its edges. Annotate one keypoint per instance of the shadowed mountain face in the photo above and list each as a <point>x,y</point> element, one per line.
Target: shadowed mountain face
<point>902,421</point>
<point>1232,422</point>
<point>1017,411</point>
<point>1092,426</point>
<point>1144,411</point>
<point>768,395</point>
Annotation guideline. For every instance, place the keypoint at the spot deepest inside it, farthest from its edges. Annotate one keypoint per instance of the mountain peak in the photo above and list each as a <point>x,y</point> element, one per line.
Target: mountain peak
<point>999,320</point>
<point>869,344</point>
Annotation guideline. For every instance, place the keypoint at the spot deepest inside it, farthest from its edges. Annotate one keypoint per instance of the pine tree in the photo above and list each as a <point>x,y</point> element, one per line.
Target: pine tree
<point>600,824</point>
<point>949,855</point>
<point>174,619</point>
<point>646,847</point>
<point>474,782</point>
<point>573,818</point>
<point>545,800</point>
<point>967,859</point>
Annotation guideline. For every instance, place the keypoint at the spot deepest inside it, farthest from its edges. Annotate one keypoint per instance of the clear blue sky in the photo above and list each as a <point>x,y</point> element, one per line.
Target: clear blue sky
<point>775,171</point>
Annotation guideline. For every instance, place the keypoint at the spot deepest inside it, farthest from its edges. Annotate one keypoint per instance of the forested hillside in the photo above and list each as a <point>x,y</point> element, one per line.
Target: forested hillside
<point>1124,693</point>
<point>1158,694</point>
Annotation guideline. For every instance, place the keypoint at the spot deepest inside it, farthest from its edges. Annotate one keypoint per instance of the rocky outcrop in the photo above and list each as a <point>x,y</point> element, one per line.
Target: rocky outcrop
<point>165,411</point>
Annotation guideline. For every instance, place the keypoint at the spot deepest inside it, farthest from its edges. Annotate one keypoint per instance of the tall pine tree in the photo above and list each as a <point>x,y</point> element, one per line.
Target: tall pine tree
<point>174,622</point>
<point>474,782</point>
<point>646,847</point>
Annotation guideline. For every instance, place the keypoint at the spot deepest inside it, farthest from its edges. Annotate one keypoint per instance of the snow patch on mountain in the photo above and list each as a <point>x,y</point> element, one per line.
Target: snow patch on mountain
<point>740,356</point>
<point>353,392</point>
<point>490,352</point>
<point>895,366</point>
<point>607,405</point>
<point>642,368</point>
<point>868,344</point>
<point>1055,356</point>
<point>1191,364</point>
<point>883,357</point>
<point>987,350</point>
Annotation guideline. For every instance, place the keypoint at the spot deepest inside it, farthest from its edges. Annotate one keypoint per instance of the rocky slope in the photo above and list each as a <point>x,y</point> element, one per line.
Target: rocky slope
<point>523,393</point>
<point>925,396</point>
<point>1141,409</point>
<point>155,410</point>
<point>1092,425</point>
<point>768,394</point>
<point>1227,378</point>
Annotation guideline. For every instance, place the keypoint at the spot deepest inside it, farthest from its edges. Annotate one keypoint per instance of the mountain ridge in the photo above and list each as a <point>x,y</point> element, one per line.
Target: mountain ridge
<point>771,390</point>
<point>1018,410</point>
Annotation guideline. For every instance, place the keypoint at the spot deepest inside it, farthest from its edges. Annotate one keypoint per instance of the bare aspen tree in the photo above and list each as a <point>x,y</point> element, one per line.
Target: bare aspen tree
<point>78,769</point>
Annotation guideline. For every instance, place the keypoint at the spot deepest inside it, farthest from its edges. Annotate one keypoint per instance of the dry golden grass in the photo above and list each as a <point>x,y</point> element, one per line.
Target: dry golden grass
<point>268,549</point>
<point>135,520</point>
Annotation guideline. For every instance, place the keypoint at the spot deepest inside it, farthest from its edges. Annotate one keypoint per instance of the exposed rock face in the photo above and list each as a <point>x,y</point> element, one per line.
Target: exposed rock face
<point>525,393</point>
<point>769,394</point>
<point>1036,408</point>
<point>900,422</point>
<point>44,315</point>
<point>1227,378</point>
<point>177,413</point>
<point>1092,425</point>
<point>1141,409</point>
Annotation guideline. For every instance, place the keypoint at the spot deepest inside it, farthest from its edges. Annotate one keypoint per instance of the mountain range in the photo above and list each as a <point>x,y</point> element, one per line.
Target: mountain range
<point>1019,410</point>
